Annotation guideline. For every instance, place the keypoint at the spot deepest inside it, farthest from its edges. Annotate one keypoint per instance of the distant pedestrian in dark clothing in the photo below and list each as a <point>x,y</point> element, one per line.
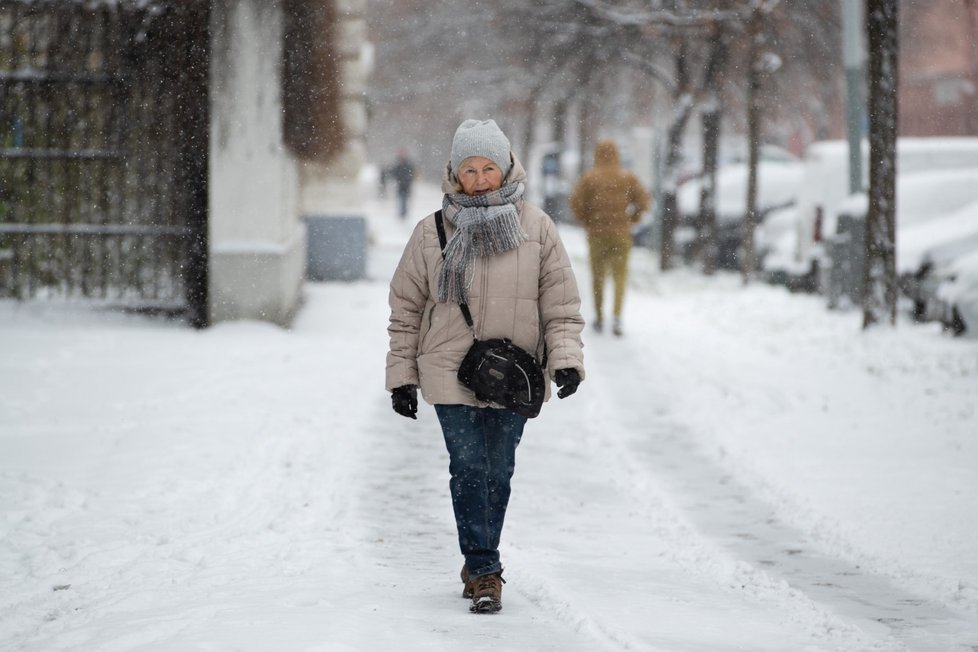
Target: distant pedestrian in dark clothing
<point>382,183</point>
<point>402,172</point>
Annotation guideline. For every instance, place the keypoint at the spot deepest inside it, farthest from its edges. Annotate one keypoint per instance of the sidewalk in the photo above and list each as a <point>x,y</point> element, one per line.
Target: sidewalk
<point>743,470</point>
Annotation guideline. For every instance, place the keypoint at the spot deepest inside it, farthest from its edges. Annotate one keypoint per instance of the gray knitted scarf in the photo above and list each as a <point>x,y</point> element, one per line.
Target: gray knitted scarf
<point>485,225</point>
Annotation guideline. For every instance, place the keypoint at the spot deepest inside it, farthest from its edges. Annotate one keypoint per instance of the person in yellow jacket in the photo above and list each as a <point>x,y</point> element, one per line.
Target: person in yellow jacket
<point>608,200</point>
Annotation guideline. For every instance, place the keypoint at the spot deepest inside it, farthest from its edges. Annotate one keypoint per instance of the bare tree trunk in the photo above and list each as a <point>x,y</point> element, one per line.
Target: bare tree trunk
<point>587,115</point>
<point>748,259</point>
<point>534,102</point>
<point>530,132</point>
<point>706,237</point>
<point>585,133</point>
<point>706,240</point>
<point>670,180</point>
<point>670,172</point>
<point>880,293</point>
<point>560,121</point>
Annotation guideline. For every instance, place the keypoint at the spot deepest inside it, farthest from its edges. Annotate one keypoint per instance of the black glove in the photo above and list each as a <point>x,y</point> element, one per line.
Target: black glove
<point>405,401</point>
<point>567,380</point>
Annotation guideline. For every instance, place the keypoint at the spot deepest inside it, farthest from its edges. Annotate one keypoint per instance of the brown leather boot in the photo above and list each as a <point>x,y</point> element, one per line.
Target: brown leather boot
<point>488,595</point>
<point>468,590</point>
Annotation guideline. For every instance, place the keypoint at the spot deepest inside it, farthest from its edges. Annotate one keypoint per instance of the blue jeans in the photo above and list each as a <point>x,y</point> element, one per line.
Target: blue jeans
<point>482,456</point>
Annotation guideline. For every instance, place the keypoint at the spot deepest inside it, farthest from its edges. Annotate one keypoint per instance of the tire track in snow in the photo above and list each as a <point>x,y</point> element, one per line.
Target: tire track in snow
<point>634,574</point>
<point>731,516</point>
<point>622,510</point>
<point>547,598</point>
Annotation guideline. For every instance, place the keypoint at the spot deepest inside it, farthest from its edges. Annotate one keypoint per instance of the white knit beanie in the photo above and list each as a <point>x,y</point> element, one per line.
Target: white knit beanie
<point>480,138</point>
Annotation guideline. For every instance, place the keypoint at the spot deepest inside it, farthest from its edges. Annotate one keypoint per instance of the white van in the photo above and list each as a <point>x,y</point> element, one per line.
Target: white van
<point>825,184</point>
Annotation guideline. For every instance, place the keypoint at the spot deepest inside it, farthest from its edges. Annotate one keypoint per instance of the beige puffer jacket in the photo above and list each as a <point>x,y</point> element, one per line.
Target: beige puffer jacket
<point>528,294</point>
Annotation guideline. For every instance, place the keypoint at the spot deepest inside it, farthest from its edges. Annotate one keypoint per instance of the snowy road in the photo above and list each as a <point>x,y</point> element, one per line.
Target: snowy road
<point>742,471</point>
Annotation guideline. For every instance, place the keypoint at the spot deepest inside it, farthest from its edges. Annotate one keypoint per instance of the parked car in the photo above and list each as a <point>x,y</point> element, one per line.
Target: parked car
<point>776,238</point>
<point>938,240</point>
<point>932,274</point>
<point>927,217</point>
<point>777,187</point>
<point>797,256</point>
<point>958,294</point>
<point>554,169</point>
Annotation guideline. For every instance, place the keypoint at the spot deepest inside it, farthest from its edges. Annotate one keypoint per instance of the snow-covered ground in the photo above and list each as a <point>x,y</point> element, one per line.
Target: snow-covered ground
<point>744,470</point>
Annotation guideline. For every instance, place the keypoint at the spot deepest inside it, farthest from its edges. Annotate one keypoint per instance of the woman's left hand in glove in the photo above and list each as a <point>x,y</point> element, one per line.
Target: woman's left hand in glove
<point>567,380</point>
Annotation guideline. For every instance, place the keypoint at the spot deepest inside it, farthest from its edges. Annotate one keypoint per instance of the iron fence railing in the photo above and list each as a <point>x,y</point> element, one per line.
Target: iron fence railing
<point>103,123</point>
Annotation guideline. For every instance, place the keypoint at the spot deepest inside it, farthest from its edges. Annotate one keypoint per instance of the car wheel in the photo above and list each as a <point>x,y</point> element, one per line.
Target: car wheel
<point>955,324</point>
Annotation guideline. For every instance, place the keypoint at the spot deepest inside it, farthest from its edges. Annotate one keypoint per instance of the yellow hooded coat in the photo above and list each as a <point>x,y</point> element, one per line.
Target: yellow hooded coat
<point>608,199</point>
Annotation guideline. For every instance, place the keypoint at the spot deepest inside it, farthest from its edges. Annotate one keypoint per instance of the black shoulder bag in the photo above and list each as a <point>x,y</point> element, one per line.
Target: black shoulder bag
<point>497,371</point>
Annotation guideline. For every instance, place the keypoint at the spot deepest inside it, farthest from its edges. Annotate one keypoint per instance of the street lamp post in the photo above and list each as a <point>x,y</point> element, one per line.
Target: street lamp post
<point>854,56</point>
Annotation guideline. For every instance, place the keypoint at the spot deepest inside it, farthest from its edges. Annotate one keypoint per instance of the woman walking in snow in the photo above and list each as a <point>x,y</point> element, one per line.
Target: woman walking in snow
<point>608,200</point>
<point>505,260</point>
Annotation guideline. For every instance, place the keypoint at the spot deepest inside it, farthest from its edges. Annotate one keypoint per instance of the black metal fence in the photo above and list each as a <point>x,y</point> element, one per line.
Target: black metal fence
<point>103,152</point>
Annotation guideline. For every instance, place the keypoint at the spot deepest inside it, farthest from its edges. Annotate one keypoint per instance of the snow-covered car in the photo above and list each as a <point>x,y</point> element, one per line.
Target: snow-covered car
<point>554,168</point>
<point>958,294</point>
<point>798,255</point>
<point>932,259</point>
<point>824,183</point>
<point>777,187</point>
<point>776,239</point>
<point>935,212</point>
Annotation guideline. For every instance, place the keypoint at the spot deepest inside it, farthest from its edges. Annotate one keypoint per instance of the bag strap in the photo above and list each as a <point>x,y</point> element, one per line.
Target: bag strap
<point>443,241</point>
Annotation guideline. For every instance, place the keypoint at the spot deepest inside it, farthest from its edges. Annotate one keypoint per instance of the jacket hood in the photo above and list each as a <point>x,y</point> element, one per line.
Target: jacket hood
<point>449,184</point>
<point>606,154</point>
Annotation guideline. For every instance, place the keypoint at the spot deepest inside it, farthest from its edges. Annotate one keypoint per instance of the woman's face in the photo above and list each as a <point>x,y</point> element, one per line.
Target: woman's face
<point>479,175</point>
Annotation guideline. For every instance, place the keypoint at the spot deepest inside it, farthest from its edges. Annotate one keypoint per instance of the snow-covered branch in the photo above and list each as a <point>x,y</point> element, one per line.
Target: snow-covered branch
<point>651,17</point>
<point>650,68</point>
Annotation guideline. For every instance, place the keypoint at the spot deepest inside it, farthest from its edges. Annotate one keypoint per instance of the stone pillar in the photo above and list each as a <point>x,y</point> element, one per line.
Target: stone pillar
<point>331,203</point>
<point>257,239</point>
